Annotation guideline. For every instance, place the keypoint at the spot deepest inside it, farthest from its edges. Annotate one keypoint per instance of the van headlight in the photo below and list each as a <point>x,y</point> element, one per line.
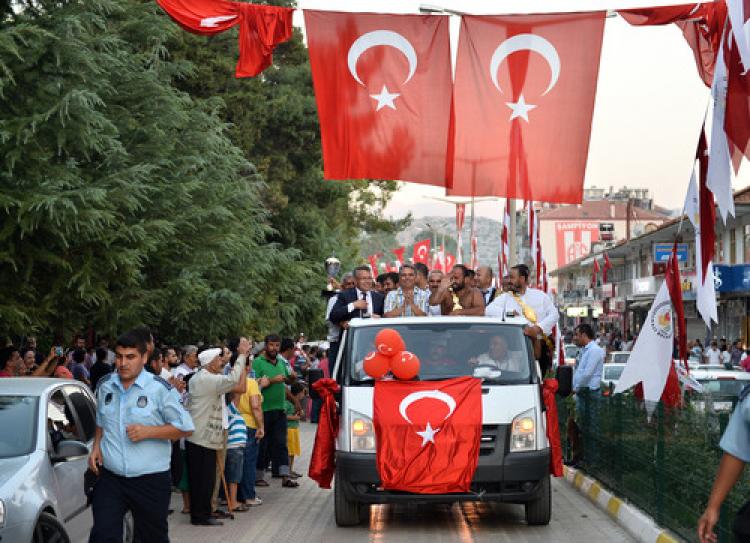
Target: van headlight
<point>2,513</point>
<point>523,432</point>
<point>361,433</point>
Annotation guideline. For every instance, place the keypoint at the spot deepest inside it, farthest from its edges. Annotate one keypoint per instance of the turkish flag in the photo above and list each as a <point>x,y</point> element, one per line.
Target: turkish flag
<point>524,99</point>
<point>383,88</point>
<point>607,267</point>
<point>421,251</point>
<point>261,27</point>
<point>428,434</point>
<point>399,253</point>
<point>450,261</point>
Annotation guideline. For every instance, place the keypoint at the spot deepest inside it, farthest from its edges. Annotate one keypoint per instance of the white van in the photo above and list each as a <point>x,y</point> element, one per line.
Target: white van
<point>514,458</point>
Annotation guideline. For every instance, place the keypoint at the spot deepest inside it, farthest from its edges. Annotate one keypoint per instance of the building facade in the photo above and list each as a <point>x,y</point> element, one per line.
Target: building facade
<point>624,299</point>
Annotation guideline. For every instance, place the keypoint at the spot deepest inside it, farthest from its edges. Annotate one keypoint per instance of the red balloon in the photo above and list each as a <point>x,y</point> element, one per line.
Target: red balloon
<point>405,365</point>
<point>377,364</point>
<point>389,342</point>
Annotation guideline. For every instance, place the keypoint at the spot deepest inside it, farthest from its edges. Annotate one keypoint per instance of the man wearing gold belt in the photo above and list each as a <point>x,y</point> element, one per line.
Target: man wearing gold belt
<point>533,305</point>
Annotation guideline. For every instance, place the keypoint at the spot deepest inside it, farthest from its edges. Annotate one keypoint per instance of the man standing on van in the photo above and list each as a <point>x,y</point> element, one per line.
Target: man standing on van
<point>532,304</point>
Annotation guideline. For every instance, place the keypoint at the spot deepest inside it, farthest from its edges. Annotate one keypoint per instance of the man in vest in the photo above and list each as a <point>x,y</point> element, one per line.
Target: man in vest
<point>533,305</point>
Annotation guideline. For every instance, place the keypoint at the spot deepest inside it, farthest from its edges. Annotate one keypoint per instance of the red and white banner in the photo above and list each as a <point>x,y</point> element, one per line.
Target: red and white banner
<point>383,88</point>
<point>503,257</point>
<point>373,260</point>
<point>574,240</point>
<point>460,216</point>
<point>399,253</point>
<point>524,100</point>
<point>261,27</point>
<point>428,434</point>
<point>422,252</point>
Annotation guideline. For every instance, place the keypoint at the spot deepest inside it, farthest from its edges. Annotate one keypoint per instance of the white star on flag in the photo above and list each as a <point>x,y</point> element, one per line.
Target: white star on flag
<point>428,435</point>
<point>520,108</point>
<point>385,98</point>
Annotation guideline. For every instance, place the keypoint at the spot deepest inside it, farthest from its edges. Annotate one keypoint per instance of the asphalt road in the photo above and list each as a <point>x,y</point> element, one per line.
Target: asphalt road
<point>305,515</point>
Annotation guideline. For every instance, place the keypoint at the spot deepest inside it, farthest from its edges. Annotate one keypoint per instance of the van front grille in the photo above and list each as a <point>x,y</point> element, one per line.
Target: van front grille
<point>489,439</point>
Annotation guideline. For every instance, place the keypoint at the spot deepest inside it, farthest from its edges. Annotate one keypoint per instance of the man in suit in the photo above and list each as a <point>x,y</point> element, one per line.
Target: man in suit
<point>358,302</point>
<point>484,280</point>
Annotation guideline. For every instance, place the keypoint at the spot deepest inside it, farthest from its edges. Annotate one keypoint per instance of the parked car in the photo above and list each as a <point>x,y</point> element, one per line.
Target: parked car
<point>617,357</point>
<point>611,374</point>
<point>571,352</point>
<point>47,432</point>
<point>720,389</point>
<point>514,454</point>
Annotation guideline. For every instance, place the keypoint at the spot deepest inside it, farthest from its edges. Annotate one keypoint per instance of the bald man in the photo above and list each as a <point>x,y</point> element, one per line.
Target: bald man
<point>484,283</point>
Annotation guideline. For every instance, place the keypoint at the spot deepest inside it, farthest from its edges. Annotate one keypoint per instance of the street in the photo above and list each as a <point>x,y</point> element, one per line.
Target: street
<point>306,514</point>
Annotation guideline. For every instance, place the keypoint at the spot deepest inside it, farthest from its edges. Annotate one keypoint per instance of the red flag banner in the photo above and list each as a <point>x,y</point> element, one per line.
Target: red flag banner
<point>383,89</point>
<point>261,27</point>
<point>607,267</point>
<point>323,458</point>
<point>373,259</point>
<point>450,261</point>
<point>428,434</point>
<point>701,24</point>
<point>595,273</point>
<point>422,252</point>
<point>524,99</point>
<point>399,253</point>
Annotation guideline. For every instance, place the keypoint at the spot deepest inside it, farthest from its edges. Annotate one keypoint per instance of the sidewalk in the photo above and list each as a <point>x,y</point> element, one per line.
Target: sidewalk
<point>633,520</point>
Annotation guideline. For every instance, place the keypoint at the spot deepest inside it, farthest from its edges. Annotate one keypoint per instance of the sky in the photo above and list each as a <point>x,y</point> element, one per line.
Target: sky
<point>649,106</point>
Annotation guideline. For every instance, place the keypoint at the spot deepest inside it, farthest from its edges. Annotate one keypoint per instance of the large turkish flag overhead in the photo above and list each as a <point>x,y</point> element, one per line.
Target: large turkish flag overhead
<point>383,89</point>
<point>524,99</point>
<point>428,434</point>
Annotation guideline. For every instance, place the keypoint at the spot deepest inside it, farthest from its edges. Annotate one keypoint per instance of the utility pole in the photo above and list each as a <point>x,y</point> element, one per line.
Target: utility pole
<point>513,255</point>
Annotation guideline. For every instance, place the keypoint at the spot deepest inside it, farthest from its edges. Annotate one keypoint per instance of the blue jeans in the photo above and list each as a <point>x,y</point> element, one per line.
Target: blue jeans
<point>246,490</point>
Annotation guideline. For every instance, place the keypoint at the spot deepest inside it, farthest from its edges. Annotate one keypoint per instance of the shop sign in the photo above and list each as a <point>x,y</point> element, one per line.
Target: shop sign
<point>644,286</point>
<point>662,252</point>
<point>577,311</point>
<point>732,278</point>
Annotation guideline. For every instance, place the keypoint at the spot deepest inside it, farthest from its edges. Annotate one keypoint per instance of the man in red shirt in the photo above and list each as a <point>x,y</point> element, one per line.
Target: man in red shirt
<point>10,361</point>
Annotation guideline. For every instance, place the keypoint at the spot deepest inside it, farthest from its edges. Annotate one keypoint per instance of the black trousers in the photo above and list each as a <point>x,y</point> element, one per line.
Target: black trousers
<point>147,497</point>
<point>273,445</point>
<point>201,466</point>
<point>175,465</point>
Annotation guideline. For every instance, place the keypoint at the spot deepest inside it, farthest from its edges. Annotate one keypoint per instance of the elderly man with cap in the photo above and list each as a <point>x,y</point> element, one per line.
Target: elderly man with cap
<point>206,389</point>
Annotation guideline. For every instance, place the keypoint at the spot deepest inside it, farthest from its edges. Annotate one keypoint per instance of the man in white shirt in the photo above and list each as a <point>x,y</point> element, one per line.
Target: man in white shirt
<point>334,330</point>
<point>484,283</point>
<point>531,304</point>
<point>713,355</point>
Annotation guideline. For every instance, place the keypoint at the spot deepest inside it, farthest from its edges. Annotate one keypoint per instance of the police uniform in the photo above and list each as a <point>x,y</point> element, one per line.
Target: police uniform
<point>736,438</point>
<point>135,476</point>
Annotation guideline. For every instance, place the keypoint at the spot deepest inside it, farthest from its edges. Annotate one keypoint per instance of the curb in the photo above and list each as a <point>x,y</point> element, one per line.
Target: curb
<point>633,520</point>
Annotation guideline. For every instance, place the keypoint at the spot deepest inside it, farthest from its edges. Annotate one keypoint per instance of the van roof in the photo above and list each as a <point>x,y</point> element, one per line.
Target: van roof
<point>508,321</point>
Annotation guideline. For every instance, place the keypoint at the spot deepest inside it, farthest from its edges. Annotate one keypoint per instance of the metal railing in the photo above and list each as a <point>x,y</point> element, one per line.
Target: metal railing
<point>665,466</point>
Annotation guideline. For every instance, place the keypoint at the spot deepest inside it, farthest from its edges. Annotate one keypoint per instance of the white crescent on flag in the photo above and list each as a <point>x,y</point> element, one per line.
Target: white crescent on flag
<point>212,22</point>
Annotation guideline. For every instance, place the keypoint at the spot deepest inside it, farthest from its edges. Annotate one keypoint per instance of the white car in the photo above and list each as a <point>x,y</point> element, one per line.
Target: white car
<point>618,357</point>
<point>720,388</point>
<point>571,351</point>
<point>611,374</point>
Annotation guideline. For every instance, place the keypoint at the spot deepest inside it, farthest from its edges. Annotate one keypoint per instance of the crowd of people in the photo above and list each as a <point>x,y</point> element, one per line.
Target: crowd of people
<point>212,421</point>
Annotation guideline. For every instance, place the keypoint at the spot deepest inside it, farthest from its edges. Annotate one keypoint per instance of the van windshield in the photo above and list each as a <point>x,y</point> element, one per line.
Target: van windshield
<point>496,353</point>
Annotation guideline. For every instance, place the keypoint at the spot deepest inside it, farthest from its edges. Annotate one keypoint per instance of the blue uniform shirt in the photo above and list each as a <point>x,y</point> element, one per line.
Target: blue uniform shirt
<point>150,401</point>
<point>736,438</point>
<point>590,366</point>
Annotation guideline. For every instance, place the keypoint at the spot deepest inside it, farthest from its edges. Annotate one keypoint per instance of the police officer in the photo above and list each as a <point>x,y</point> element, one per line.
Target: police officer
<point>736,446</point>
<point>137,415</point>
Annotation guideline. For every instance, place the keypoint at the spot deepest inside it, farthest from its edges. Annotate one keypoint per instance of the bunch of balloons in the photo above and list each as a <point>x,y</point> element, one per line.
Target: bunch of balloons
<point>390,354</point>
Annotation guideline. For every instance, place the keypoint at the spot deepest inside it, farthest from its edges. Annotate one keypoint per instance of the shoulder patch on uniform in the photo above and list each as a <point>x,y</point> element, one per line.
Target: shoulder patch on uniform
<point>744,392</point>
<point>104,379</point>
<point>163,382</point>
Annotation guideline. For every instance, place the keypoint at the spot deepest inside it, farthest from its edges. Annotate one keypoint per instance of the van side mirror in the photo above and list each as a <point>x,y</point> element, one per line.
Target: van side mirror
<point>564,377</point>
<point>69,449</point>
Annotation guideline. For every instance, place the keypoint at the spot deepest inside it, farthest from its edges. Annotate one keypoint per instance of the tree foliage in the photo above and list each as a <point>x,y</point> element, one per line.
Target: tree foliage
<point>141,183</point>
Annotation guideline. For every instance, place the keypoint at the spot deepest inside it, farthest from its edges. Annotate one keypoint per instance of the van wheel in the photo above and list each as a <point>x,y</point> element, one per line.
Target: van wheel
<point>48,529</point>
<point>347,512</point>
<point>539,511</point>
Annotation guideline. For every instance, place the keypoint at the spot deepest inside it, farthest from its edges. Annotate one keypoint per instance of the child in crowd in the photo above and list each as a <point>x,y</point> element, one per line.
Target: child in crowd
<point>236,441</point>
<point>292,434</point>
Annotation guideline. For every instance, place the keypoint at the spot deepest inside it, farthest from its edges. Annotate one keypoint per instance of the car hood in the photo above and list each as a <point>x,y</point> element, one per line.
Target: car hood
<point>10,468</point>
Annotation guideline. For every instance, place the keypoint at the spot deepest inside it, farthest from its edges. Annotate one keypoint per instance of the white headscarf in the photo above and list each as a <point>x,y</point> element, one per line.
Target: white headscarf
<point>207,356</point>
